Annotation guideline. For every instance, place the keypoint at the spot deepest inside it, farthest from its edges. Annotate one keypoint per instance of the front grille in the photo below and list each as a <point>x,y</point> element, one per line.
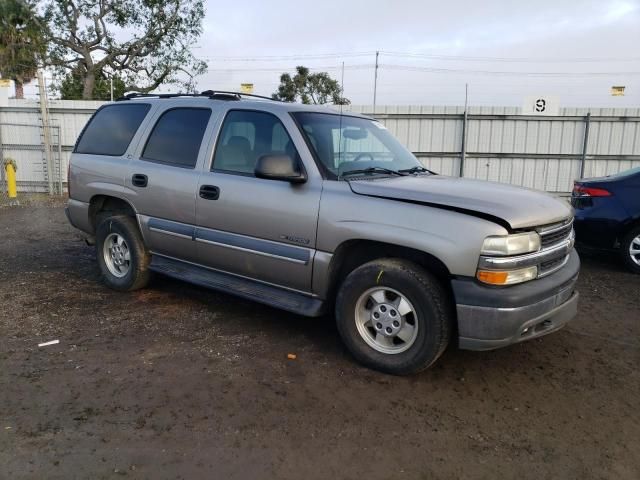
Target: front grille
<point>550,266</point>
<point>553,234</point>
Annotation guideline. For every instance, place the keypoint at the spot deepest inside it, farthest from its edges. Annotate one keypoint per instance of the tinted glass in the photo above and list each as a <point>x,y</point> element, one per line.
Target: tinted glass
<point>342,143</point>
<point>248,135</point>
<point>111,129</point>
<point>177,136</point>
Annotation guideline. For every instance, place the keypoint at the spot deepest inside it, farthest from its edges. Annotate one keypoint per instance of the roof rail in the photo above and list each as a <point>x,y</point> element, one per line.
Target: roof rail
<point>240,94</point>
<point>211,94</point>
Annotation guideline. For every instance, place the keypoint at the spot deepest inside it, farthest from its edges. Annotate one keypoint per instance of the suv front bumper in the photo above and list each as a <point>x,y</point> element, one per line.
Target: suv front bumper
<point>491,317</point>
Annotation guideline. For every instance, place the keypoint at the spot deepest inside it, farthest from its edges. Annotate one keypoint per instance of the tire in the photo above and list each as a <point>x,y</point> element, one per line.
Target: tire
<point>631,240</point>
<point>125,272</point>
<point>430,312</point>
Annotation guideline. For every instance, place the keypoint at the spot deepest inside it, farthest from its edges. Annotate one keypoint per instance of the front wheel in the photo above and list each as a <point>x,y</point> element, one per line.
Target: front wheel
<point>630,250</point>
<point>122,256</point>
<point>394,316</point>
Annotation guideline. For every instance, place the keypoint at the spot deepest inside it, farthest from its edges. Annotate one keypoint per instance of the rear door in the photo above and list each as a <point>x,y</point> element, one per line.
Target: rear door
<point>163,178</point>
<point>257,228</point>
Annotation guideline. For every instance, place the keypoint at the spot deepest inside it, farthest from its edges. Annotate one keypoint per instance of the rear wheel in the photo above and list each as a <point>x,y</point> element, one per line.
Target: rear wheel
<point>122,257</point>
<point>393,316</point>
<point>630,250</point>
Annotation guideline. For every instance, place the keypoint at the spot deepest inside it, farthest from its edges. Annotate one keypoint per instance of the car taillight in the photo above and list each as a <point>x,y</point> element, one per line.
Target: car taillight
<point>582,191</point>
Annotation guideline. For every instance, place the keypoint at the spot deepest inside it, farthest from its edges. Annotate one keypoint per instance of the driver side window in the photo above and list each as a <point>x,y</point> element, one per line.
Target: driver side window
<point>245,136</point>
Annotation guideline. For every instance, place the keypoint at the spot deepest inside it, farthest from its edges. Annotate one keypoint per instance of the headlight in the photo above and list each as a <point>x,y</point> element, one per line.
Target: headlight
<point>511,244</point>
<point>507,277</point>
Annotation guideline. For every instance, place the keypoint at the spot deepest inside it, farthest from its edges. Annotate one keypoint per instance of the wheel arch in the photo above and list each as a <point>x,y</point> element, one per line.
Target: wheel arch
<point>108,203</point>
<point>351,254</point>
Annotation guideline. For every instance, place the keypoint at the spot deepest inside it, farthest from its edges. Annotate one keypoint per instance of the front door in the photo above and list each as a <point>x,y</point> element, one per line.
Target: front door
<point>257,228</point>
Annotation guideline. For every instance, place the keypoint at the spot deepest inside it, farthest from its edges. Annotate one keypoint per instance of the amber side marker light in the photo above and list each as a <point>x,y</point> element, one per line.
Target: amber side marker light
<point>509,277</point>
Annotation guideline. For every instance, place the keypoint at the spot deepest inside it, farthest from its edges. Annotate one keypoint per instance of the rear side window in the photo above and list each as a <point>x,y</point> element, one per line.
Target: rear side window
<point>177,136</point>
<point>111,129</point>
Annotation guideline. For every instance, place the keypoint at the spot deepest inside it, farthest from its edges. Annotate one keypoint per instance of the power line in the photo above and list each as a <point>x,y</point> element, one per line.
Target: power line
<point>416,55</point>
<point>281,69</point>
<point>271,58</point>
<point>412,68</point>
<point>510,59</point>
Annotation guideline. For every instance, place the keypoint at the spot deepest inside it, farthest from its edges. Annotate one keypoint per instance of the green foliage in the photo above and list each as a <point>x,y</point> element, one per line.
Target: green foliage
<point>21,41</point>
<point>72,86</point>
<point>310,88</point>
<point>145,43</point>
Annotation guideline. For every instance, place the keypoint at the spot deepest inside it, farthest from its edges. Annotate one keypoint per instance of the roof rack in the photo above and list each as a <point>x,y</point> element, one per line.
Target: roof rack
<point>211,94</point>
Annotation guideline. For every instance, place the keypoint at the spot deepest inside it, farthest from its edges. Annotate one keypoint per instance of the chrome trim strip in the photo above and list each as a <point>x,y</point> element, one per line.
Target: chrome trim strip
<point>255,245</point>
<point>248,250</point>
<point>169,227</point>
<point>167,232</point>
<point>554,228</point>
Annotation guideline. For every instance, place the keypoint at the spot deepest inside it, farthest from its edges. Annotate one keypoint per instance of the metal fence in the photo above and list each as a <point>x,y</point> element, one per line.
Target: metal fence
<point>38,169</point>
<point>22,138</point>
<point>498,144</point>
<point>490,143</point>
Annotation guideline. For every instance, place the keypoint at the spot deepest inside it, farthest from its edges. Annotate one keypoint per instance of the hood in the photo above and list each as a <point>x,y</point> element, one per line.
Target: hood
<point>510,206</point>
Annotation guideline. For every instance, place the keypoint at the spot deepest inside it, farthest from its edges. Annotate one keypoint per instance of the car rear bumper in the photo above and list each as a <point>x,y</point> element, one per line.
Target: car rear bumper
<point>78,215</point>
<point>490,317</point>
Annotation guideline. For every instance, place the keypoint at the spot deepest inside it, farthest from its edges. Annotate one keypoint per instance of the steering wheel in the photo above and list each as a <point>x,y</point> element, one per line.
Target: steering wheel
<point>360,157</point>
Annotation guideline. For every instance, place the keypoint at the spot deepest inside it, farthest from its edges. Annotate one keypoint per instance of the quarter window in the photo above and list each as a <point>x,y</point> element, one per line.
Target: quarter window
<point>177,136</point>
<point>111,129</point>
<point>246,135</point>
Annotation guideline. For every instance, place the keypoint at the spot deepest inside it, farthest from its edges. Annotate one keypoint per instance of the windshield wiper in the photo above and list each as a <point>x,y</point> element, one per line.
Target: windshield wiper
<point>371,170</point>
<point>416,169</point>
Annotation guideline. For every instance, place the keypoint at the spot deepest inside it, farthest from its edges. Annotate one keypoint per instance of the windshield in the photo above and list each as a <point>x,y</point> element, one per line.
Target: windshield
<point>345,144</point>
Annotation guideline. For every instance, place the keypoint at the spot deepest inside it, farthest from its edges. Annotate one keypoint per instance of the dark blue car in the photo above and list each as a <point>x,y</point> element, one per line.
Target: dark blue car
<point>608,214</point>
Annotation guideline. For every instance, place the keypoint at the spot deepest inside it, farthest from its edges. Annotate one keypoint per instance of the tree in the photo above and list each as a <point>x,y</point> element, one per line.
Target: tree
<point>146,43</point>
<point>317,88</point>
<point>72,87</point>
<point>21,42</point>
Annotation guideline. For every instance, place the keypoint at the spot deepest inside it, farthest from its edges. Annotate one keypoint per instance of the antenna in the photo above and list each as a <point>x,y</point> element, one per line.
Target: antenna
<point>340,127</point>
<point>375,83</point>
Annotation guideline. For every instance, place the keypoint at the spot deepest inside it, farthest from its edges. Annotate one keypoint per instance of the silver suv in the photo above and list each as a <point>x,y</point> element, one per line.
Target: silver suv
<point>311,211</point>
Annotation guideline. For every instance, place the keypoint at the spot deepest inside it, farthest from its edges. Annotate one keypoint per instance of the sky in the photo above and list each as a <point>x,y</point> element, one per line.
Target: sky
<point>505,51</point>
<point>572,49</point>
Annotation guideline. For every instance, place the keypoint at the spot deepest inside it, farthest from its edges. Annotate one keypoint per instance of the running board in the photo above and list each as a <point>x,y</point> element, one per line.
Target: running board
<point>242,287</point>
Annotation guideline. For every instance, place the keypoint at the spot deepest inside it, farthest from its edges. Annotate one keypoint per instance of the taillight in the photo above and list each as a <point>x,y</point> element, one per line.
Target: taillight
<point>582,191</point>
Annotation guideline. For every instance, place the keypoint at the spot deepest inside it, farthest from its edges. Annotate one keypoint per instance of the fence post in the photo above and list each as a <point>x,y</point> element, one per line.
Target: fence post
<point>585,143</point>
<point>46,130</point>
<point>463,148</point>
<point>2,174</point>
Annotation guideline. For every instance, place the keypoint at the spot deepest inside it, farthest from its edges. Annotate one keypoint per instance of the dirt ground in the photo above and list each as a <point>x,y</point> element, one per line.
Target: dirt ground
<point>179,382</point>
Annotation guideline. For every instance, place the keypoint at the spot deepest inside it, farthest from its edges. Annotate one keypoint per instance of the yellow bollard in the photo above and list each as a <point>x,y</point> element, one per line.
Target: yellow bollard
<point>10,168</point>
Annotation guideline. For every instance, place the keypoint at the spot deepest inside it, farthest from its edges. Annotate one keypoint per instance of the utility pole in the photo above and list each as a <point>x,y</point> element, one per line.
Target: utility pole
<point>46,131</point>
<point>111,86</point>
<point>375,83</point>
<point>463,150</point>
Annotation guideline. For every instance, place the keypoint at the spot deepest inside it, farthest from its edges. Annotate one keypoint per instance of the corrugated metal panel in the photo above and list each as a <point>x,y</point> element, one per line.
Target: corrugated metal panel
<point>541,153</point>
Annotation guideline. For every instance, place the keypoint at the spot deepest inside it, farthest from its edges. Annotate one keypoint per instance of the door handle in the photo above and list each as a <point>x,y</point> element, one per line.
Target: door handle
<point>139,180</point>
<point>209,192</point>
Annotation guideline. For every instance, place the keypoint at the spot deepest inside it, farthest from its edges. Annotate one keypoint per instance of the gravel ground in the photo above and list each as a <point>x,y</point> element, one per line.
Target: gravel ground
<point>179,382</point>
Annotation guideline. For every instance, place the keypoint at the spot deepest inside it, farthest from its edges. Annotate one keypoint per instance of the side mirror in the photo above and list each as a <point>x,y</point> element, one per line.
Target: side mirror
<point>279,167</point>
